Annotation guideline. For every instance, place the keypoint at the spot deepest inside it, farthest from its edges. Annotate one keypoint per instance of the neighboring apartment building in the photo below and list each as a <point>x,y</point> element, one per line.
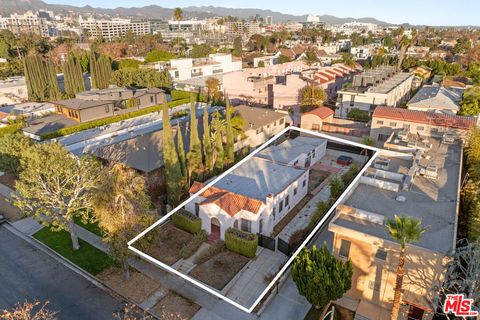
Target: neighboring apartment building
<point>98,104</point>
<point>314,120</point>
<point>415,176</point>
<point>218,63</point>
<point>261,191</point>
<point>386,120</point>
<point>252,85</point>
<point>110,29</point>
<point>13,90</point>
<point>437,99</point>
<point>25,23</point>
<point>382,86</point>
<point>242,28</point>
<point>260,124</point>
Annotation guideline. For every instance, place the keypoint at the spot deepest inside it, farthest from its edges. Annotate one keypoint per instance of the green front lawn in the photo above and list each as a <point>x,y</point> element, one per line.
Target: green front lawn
<point>92,227</point>
<point>87,257</point>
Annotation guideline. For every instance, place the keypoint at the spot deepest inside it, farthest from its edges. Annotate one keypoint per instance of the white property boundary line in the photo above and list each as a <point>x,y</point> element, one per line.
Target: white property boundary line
<point>289,262</point>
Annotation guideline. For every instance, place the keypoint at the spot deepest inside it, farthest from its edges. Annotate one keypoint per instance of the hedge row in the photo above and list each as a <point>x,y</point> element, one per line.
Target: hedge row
<point>110,120</point>
<point>11,129</point>
<point>241,242</point>
<point>187,221</point>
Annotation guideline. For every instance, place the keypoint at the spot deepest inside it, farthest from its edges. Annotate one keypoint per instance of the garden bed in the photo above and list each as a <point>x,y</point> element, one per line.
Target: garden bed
<point>8,179</point>
<point>169,243</point>
<point>174,306</point>
<point>87,257</point>
<point>138,288</point>
<point>219,269</point>
<point>9,211</point>
<point>316,177</point>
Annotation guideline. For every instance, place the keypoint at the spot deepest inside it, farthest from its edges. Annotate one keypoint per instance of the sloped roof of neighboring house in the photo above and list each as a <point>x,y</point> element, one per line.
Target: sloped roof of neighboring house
<point>430,118</point>
<point>229,202</point>
<point>259,178</point>
<point>81,104</point>
<point>258,117</point>
<point>290,149</point>
<point>437,98</point>
<point>288,53</point>
<point>321,112</point>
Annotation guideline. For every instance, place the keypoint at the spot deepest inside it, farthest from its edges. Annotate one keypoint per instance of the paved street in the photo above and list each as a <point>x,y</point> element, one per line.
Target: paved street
<point>27,274</point>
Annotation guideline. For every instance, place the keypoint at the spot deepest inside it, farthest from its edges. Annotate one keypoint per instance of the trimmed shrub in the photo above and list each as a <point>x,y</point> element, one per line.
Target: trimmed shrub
<point>110,120</point>
<point>190,248</point>
<point>298,237</point>
<point>358,115</point>
<point>179,95</point>
<point>241,242</point>
<point>348,176</point>
<point>320,211</point>
<point>187,221</point>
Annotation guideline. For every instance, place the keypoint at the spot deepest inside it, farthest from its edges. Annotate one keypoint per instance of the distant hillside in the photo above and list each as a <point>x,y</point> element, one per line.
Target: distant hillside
<point>156,12</point>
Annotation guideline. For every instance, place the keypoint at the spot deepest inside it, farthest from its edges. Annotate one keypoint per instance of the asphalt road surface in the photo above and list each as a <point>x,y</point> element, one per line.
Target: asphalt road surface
<point>27,273</point>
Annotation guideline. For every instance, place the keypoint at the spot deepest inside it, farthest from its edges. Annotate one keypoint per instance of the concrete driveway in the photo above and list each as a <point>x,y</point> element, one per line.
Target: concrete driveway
<point>27,273</point>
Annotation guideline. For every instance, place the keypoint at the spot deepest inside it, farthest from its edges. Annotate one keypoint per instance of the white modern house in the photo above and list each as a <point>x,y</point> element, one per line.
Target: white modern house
<point>188,68</point>
<point>259,193</point>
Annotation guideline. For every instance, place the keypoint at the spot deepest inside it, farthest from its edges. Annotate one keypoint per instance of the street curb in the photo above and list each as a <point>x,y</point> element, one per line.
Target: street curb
<point>73,267</point>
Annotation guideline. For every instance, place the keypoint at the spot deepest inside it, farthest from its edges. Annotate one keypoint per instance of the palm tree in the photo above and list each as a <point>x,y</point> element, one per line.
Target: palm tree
<point>405,230</point>
<point>178,16</point>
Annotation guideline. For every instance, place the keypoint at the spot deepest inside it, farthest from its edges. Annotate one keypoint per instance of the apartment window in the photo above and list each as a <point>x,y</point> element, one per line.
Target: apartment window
<point>287,200</point>
<point>381,255</point>
<point>313,153</point>
<point>295,191</point>
<point>420,128</point>
<point>275,122</point>
<point>268,126</point>
<point>107,108</point>
<point>295,163</point>
<point>259,130</point>
<point>260,226</point>
<point>280,206</point>
<point>151,99</point>
<point>344,248</point>
<point>379,122</point>
<point>246,225</point>
<point>316,127</point>
<point>304,183</point>
<point>393,124</point>
<point>197,209</point>
<point>177,75</point>
<point>274,211</point>
<point>281,121</point>
<point>138,102</point>
<point>352,101</point>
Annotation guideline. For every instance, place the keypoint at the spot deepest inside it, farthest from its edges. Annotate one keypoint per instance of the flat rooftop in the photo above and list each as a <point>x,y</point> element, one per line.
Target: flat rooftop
<point>434,201</point>
<point>258,178</point>
<point>291,149</point>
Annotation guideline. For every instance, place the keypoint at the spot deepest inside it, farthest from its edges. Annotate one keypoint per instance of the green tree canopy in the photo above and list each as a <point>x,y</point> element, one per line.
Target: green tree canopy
<point>312,96</point>
<point>159,55</point>
<point>201,51</point>
<point>140,78</point>
<point>54,187</point>
<point>320,277</point>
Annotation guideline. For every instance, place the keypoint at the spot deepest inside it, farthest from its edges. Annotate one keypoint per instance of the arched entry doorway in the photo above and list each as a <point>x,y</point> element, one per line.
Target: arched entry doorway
<point>214,229</point>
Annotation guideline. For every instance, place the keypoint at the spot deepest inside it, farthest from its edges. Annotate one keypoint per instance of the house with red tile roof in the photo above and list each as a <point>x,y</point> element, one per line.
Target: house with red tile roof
<point>386,120</point>
<point>313,120</point>
<point>261,191</point>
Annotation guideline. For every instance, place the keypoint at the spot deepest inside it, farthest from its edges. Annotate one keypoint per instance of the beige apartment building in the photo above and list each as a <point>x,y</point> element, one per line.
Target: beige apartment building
<point>415,176</point>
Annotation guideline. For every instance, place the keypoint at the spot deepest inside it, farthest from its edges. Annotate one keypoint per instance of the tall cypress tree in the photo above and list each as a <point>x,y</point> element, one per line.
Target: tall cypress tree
<point>41,78</point>
<point>194,156</point>
<point>100,70</point>
<point>173,170</point>
<point>207,144</point>
<point>181,152</point>
<point>73,76</point>
<point>219,151</point>
<point>230,154</point>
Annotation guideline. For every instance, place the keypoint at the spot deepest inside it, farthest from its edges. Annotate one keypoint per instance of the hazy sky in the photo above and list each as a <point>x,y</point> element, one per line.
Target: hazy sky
<point>430,12</point>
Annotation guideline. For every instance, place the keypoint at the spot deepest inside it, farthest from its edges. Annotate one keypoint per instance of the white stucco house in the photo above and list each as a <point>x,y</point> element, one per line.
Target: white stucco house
<point>259,193</point>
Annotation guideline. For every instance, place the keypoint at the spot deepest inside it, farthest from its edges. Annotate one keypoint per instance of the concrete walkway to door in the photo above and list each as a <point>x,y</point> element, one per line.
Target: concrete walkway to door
<point>255,276</point>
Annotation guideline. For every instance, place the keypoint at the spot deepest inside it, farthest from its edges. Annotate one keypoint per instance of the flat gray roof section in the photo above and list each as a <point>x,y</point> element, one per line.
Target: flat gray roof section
<point>81,104</point>
<point>258,178</point>
<point>291,149</point>
<point>434,201</point>
<point>48,124</point>
<point>436,97</point>
<point>258,117</point>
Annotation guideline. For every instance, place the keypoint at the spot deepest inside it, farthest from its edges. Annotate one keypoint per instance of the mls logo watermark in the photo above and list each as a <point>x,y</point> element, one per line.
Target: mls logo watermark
<point>459,306</point>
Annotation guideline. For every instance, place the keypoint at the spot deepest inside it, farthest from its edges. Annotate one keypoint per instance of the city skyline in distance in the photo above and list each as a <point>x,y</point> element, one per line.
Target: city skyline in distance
<point>428,12</point>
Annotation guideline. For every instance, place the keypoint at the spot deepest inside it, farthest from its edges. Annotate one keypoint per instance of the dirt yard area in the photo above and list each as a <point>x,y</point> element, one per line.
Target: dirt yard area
<point>316,177</point>
<point>175,307</point>
<point>170,240</point>
<point>138,288</point>
<point>8,210</point>
<point>219,269</point>
<point>8,179</point>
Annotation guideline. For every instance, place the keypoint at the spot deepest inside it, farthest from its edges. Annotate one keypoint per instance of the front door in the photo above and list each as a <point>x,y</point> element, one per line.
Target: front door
<point>214,229</point>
